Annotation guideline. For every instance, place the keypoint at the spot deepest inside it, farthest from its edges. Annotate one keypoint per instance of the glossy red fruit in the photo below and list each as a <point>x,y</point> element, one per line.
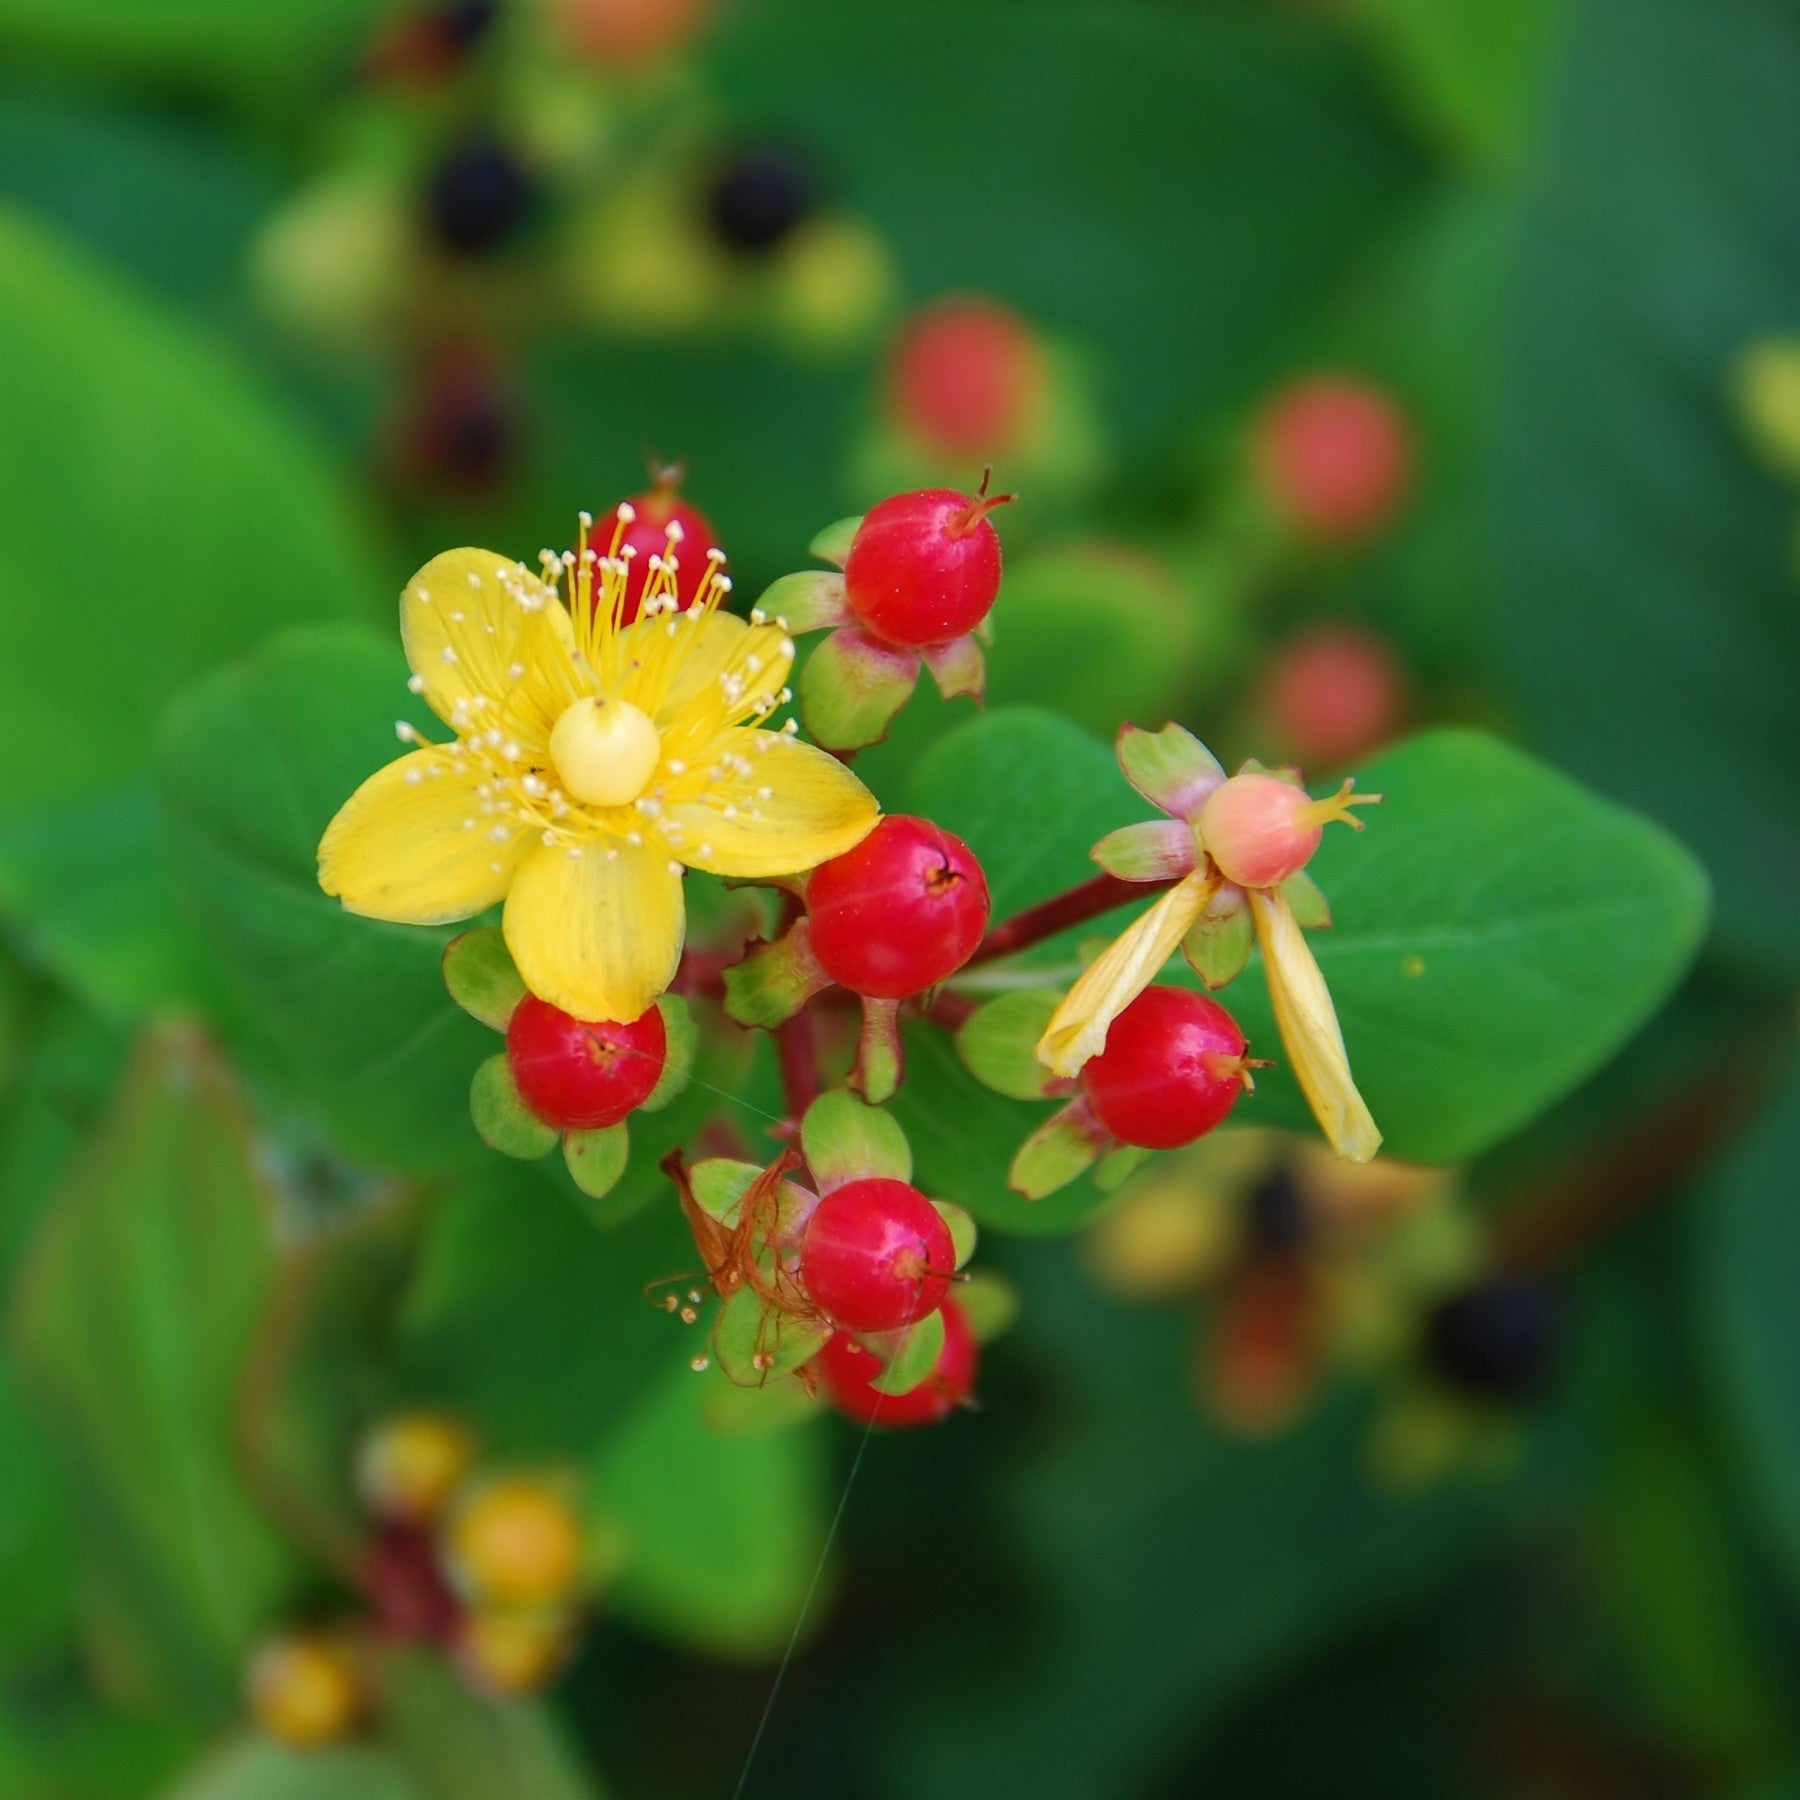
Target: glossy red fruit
<point>966,377</point>
<point>924,568</point>
<point>1332,692</point>
<point>578,1075</point>
<point>900,912</point>
<point>848,1370</point>
<point>1172,1068</point>
<point>1335,455</point>
<point>876,1255</point>
<point>646,534</point>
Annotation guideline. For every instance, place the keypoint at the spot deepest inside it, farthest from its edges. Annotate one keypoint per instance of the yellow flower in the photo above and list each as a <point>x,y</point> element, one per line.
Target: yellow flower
<point>593,761</point>
<point>1174,770</point>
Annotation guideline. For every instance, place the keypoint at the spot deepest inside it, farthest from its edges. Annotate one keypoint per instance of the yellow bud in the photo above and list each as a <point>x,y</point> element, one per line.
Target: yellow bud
<point>515,1542</point>
<point>605,751</point>
<point>1766,387</point>
<point>408,1466</point>
<point>512,1652</point>
<point>305,1690</point>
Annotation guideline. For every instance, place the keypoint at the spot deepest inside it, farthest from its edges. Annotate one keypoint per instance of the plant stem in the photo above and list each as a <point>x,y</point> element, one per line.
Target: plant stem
<point>797,1055</point>
<point>1074,906</point>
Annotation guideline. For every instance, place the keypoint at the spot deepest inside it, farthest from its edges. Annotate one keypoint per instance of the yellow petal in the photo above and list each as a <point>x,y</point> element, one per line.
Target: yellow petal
<point>776,808</point>
<point>597,930</point>
<point>1309,1029</point>
<point>696,673</point>
<point>413,844</point>
<point>1128,965</point>
<point>491,644</point>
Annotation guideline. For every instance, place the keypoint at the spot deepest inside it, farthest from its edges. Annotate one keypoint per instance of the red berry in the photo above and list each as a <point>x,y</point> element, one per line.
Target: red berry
<point>578,1075</point>
<point>646,534</point>
<point>1260,829</point>
<point>848,1370</point>
<point>1335,455</point>
<point>1172,1068</point>
<point>629,31</point>
<point>876,1255</point>
<point>924,568</point>
<point>1333,692</point>
<point>898,913</point>
<point>965,376</point>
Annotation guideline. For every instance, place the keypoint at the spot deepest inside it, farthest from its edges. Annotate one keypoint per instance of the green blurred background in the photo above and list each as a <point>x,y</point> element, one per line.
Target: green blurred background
<point>237,395</point>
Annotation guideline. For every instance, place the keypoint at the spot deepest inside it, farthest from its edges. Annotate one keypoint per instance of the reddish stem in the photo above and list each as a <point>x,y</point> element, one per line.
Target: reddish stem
<point>1074,906</point>
<point>949,1009</point>
<point>797,1056</point>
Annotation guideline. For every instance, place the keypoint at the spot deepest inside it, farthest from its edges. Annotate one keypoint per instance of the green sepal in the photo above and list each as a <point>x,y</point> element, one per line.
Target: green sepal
<point>880,1054</point>
<point>998,1043</point>
<point>682,1036</point>
<point>479,973</point>
<point>1156,850</point>
<point>852,687</point>
<point>914,1355</point>
<point>755,1344</point>
<point>501,1116</point>
<point>719,1184</point>
<point>775,980</point>
<point>597,1159</point>
<point>990,1303</point>
<point>1306,901</point>
<point>735,1411</point>
<point>962,1229</point>
<point>958,668</point>
<point>1067,1144</point>
<point>844,1139</point>
<point>1218,946</point>
<point>1118,1166</point>
<point>832,545</point>
<point>1171,768</point>
<point>809,601</point>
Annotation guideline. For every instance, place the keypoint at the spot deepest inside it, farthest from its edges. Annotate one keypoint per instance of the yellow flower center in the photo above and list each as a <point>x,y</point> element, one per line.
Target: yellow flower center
<point>605,751</point>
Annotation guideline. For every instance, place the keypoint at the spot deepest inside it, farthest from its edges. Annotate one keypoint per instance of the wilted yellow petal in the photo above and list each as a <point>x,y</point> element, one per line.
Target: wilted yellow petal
<point>596,930</point>
<point>1309,1029</point>
<point>777,808</point>
<point>1077,1029</point>
<point>490,645</point>
<point>414,845</point>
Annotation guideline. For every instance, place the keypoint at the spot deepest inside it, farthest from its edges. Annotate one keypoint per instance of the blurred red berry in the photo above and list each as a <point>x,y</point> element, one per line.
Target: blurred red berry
<point>965,376</point>
<point>900,912</point>
<point>849,1370</point>
<point>1332,692</point>
<point>1172,1068</point>
<point>578,1075</point>
<point>646,534</point>
<point>1335,455</point>
<point>629,31</point>
<point>924,568</point>
<point>876,1255</point>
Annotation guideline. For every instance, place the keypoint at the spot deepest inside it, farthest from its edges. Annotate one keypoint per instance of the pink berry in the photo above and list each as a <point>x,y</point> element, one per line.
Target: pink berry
<point>900,912</point>
<point>578,1075</point>
<point>965,376</point>
<point>1332,692</point>
<point>849,1370</point>
<point>622,32</point>
<point>876,1255</point>
<point>1172,1068</point>
<point>924,568</point>
<point>1260,829</point>
<point>647,535</point>
<point>1335,455</point>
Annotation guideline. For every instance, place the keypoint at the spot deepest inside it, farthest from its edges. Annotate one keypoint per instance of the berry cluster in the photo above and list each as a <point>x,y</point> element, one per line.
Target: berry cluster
<point>484,1568</point>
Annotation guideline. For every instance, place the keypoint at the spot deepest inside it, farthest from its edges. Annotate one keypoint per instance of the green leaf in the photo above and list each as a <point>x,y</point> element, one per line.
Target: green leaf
<point>597,1159</point>
<point>505,1122</point>
<point>722,1533</point>
<point>913,1358</point>
<point>998,1042</point>
<point>755,1344</point>
<point>38,1567</point>
<point>845,1139</point>
<point>1644,550</point>
<point>990,1303</point>
<point>1499,933</point>
<point>350,1014</point>
<point>252,1768</point>
<point>134,1312</point>
<point>83,885</point>
<point>132,445</point>
<point>456,1744</point>
<point>479,975</point>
